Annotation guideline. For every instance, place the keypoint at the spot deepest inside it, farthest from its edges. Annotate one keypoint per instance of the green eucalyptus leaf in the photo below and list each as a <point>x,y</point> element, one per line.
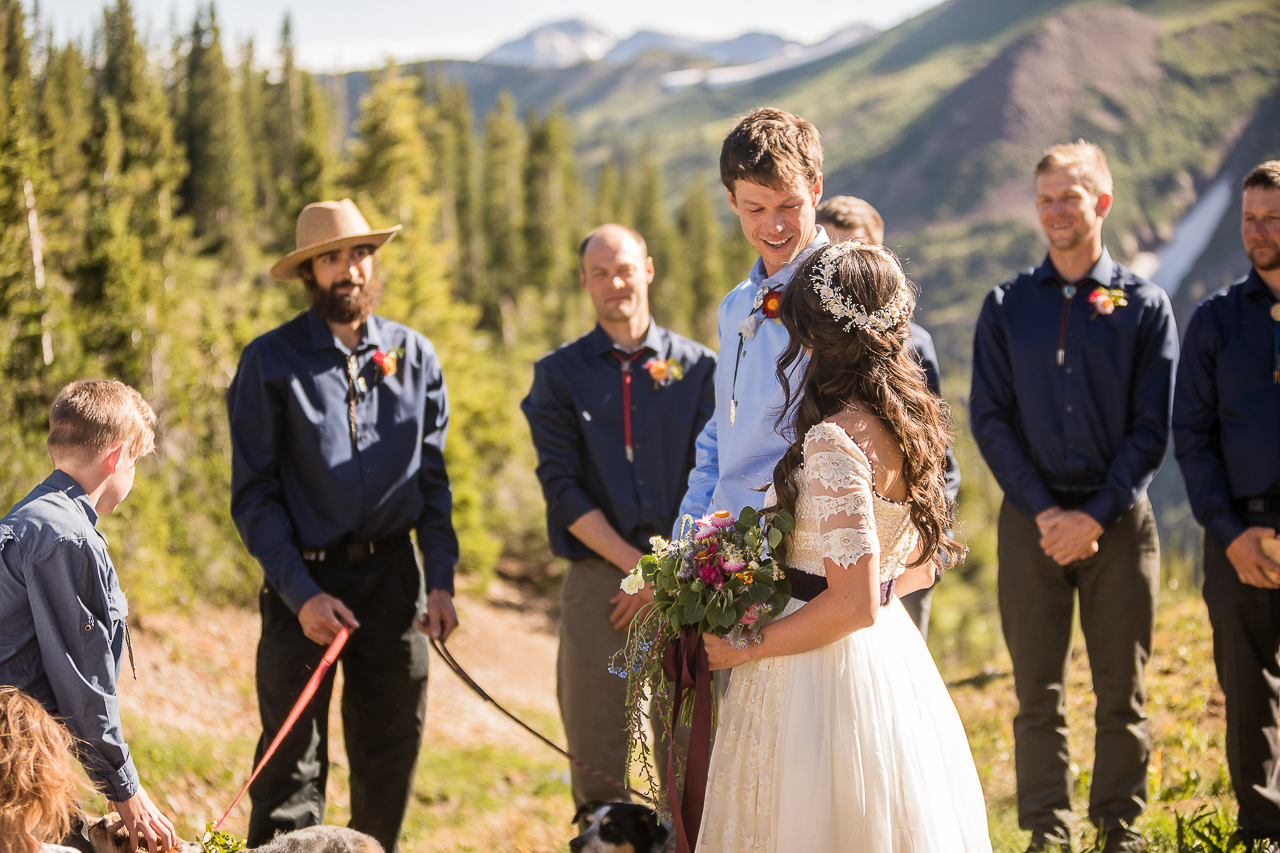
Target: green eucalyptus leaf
<point>775,537</point>
<point>784,521</point>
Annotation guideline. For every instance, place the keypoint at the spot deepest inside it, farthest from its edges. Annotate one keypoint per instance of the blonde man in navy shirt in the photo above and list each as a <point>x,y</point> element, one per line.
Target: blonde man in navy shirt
<point>1072,382</point>
<point>1226,430</point>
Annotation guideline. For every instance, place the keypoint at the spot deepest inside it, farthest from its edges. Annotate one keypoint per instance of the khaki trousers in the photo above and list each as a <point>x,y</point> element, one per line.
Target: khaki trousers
<point>592,699</point>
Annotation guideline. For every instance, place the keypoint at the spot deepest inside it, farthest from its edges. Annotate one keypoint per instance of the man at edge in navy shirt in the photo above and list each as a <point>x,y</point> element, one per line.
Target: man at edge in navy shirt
<point>338,421</point>
<point>1226,431</point>
<point>614,416</point>
<point>1073,367</point>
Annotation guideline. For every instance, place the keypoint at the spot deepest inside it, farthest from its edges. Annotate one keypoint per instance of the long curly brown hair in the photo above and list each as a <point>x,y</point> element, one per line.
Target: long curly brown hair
<point>871,368</point>
<point>39,789</point>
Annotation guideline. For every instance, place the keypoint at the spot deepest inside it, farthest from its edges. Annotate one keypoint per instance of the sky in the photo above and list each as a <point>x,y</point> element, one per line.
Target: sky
<point>330,35</point>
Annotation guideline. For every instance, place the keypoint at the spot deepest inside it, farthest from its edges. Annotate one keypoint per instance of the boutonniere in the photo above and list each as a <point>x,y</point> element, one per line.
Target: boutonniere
<point>388,362</point>
<point>764,307</point>
<point>1105,300</point>
<point>664,371</point>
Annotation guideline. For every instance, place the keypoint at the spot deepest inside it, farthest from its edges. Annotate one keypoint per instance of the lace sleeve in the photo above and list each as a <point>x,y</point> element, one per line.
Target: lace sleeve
<point>840,486</point>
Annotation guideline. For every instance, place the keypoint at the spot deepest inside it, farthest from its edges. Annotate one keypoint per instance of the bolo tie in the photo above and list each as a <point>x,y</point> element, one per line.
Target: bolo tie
<point>1068,293</point>
<point>627,361</point>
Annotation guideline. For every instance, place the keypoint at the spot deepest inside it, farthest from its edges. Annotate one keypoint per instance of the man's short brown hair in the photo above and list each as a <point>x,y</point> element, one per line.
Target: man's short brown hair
<point>1265,176</point>
<point>772,148</point>
<point>849,213</point>
<point>91,415</point>
<point>1085,158</point>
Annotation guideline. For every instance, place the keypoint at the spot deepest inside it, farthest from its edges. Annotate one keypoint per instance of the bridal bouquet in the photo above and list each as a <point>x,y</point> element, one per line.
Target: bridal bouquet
<point>717,577</point>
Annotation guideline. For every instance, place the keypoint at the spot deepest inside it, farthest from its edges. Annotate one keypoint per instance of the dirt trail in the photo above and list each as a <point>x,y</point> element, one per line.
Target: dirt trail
<point>195,672</point>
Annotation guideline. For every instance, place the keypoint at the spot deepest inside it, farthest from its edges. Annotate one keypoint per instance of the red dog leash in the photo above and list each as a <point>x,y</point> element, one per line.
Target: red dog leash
<point>327,661</point>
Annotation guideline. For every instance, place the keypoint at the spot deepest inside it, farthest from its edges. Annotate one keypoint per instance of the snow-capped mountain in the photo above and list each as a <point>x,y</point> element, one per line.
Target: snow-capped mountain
<point>558,45</point>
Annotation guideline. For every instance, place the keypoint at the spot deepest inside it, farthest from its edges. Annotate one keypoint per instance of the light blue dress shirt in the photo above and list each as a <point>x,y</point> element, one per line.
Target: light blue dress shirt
<point>737,450</point>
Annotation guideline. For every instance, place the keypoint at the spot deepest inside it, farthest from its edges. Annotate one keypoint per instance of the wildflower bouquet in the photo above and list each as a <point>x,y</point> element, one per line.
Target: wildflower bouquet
<point>718,577</point>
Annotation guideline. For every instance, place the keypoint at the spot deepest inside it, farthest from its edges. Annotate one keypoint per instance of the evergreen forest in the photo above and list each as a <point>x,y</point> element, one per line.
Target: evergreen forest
<point>145,189</point>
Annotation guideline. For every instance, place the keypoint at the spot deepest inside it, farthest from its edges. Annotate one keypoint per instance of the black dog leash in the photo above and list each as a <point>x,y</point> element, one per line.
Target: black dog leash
<point>466,679</point>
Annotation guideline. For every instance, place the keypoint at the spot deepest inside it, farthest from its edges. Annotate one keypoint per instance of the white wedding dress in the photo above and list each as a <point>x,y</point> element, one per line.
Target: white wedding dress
<point>854,747</point>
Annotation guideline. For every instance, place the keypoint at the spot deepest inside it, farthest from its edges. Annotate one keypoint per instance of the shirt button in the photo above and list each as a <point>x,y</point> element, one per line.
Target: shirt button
<point>1068,408</point>
<point>1068,370</point>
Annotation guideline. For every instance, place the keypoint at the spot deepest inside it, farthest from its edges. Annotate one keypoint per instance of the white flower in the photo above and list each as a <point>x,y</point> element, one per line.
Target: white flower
<point>659,545</point>
<point>633,583</point>
<point>747,328</point>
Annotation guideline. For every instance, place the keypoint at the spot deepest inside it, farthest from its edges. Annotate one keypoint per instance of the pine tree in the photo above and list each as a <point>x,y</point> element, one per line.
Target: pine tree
<point>551,226</point>
<point>253,93</point>
<point>673,305</point>
<point>700,269</point>
<point>391,176</point>
<point>453,139</point>
<point>502,214</point>
<point>218,191</point>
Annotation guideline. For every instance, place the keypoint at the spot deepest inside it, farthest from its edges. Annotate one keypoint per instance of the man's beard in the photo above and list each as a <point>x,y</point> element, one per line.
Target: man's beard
<point>1255,254</point>
<point>349,308</point>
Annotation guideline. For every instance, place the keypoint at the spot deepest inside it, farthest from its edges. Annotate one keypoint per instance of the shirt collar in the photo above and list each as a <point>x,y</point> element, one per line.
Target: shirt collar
<point>61,481</point>
<point>1101,273</point>
<point>601,343</point>
<point>1253,283</point>
<point>782,277</point>
<point>322,337</point>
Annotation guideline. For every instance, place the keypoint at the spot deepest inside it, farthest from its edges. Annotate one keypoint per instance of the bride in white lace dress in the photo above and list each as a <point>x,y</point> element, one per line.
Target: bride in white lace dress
<point>837,733</point>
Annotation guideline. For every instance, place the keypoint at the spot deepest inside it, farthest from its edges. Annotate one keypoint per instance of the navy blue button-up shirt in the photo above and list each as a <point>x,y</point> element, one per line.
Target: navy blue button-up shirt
<point>300,481</point>
<point>1226,410</point>
<point>1100,420</point>
<point>575,414</point>
<point>62,624</point>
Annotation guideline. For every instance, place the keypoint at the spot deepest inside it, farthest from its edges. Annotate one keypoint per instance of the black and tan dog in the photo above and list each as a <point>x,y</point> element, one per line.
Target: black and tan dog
<point>620,828</point>
<point>107,835</point>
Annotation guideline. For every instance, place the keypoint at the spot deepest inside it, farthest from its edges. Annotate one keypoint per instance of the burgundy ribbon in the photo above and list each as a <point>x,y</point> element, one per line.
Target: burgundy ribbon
<point>684,661</point>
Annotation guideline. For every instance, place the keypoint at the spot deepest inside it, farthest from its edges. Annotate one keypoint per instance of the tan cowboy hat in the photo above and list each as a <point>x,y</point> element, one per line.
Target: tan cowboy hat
<point>325,226</point>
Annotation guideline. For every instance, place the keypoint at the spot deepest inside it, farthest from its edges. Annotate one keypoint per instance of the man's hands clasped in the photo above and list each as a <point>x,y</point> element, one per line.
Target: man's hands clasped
<point>1068,535</point>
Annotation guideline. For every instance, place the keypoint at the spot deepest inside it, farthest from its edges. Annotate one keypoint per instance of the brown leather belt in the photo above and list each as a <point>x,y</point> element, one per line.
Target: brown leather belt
<point>807,586</point>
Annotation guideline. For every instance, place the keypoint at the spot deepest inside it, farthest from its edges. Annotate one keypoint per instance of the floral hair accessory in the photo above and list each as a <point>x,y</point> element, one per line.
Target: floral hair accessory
<point>1105,300</point>
<point>838,306</point>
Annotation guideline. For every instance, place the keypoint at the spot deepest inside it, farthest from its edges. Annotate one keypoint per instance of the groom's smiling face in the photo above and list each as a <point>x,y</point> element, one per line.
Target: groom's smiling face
<point>777,222</point>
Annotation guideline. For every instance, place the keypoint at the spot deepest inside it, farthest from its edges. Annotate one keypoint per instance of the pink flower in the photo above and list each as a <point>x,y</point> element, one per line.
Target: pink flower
<point>1102,302</point>
<point>710,574</point>
<point>722,519</point>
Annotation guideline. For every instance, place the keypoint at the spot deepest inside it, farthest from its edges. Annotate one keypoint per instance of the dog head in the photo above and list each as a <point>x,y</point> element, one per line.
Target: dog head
<point>108,835</point>
<point>619,828</point>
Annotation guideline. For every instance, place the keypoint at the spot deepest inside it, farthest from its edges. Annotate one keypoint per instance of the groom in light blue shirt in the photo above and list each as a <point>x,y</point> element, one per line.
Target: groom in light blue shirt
<point>771,165</point>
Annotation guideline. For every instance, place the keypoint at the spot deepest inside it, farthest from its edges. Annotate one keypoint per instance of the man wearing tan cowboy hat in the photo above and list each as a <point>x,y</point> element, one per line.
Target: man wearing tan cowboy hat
<point>338,422</point>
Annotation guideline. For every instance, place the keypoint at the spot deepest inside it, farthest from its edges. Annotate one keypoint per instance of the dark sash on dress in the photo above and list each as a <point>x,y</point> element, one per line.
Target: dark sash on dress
<point>807,586</point>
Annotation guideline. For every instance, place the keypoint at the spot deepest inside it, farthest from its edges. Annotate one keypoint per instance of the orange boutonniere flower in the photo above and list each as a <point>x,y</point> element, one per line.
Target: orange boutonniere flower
<point>1106,300</point>
<point>664,371</point>
<point>386,361</point>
